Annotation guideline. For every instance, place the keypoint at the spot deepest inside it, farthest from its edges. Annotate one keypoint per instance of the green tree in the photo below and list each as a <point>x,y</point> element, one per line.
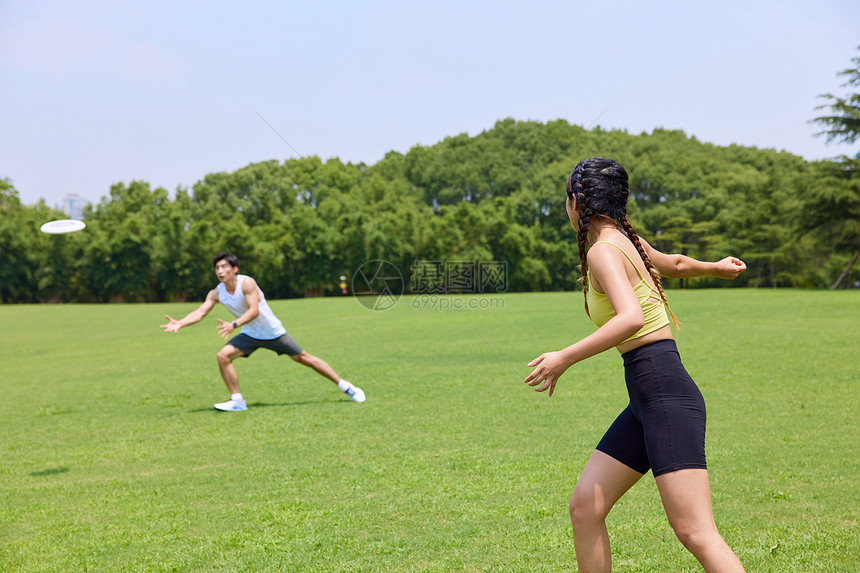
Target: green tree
<point>124,242</point>
<point>836,208</point>
<point>831,210</point>
<point>17,281</point>
<point>843,123</point>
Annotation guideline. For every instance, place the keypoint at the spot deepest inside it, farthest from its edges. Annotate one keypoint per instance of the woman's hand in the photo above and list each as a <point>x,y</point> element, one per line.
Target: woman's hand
<point>550,366</point>
<point>729,268</point>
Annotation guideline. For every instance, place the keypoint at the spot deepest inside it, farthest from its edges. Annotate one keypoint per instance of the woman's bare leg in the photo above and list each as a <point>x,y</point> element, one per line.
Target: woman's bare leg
<point>602,483</point>
<point>686,495</point>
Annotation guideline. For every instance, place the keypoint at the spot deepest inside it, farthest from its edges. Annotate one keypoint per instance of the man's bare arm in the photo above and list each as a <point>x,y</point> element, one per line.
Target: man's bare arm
<point>194,316</point>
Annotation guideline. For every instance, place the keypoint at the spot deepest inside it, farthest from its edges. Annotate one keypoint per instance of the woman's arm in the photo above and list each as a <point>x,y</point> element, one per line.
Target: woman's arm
<point>682,266</point>
<point>607,264</point>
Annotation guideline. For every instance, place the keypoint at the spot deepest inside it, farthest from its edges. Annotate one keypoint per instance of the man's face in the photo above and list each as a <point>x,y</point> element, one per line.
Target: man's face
<point>224,271</point>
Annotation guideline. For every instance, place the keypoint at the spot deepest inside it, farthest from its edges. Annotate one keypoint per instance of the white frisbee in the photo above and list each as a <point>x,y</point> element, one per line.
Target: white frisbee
<point>62,226</point>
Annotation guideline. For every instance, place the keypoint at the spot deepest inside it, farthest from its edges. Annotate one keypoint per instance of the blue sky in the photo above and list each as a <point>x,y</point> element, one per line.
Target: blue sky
<point>97,92</point>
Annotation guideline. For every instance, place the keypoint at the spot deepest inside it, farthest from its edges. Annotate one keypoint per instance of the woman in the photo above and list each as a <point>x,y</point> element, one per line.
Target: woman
<point>663,427</point>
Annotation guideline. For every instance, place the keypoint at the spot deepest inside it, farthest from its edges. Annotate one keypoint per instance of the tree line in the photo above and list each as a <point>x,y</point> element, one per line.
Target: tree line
<point>298,225</point>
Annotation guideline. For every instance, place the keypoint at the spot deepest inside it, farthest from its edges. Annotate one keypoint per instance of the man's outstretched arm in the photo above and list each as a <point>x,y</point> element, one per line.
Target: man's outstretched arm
<point>192,317</point>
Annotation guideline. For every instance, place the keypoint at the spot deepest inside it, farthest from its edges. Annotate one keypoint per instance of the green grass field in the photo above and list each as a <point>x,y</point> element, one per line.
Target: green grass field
<point>114,460</point>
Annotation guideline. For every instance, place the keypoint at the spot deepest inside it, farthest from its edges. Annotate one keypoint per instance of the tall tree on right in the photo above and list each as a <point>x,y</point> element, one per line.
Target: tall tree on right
<point>843,125</point>
<point>835,201</point>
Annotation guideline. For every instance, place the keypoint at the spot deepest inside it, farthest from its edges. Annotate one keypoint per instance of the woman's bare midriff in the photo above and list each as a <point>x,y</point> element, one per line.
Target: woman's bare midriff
<point>659,334</point>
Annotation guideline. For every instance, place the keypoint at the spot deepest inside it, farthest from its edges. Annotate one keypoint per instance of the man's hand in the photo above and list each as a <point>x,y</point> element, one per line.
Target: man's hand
<point>225,328</point>
<point>171,326</point>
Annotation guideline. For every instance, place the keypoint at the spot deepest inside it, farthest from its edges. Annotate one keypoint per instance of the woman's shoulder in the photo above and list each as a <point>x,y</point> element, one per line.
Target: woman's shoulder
<point>606,257</point>
<point>615,254</point>
<point>606,249</point>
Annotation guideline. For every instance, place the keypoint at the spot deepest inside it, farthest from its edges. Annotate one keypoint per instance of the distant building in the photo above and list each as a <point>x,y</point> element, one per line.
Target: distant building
<point>73,206</point>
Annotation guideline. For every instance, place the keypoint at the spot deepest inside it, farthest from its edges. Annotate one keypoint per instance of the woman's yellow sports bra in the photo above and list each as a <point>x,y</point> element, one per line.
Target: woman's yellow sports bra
<point>600,309</point>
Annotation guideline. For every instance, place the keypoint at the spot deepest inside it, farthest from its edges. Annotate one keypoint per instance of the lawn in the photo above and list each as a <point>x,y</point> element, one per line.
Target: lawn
<point>114,460</point>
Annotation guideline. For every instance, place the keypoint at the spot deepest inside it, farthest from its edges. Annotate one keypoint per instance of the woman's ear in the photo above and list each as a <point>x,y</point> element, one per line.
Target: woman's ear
<point>572,213</point>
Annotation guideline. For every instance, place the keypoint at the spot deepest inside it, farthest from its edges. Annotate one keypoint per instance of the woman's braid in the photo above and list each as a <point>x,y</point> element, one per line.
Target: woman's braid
<point>655,276</point>
<point>574,187</point>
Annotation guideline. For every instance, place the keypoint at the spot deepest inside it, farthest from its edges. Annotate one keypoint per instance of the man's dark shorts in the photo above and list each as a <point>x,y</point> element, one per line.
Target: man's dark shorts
<point>283,345</point>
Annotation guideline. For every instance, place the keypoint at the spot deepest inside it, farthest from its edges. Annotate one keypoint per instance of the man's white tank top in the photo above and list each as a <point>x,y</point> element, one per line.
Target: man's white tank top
<point>266,326</point>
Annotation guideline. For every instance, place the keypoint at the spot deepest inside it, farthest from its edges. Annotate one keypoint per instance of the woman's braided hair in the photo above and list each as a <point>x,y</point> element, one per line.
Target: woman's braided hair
<point>601,188</point>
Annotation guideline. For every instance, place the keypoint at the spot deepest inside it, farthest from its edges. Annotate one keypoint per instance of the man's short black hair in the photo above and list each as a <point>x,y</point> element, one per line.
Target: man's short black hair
<point>234,262</point>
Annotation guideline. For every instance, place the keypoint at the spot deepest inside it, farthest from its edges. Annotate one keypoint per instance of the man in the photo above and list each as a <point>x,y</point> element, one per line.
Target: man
<point>260,329</point>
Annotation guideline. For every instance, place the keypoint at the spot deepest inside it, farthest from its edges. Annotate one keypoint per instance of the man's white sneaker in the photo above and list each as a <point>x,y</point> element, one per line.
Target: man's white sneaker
<point>231,406</point>
<point>356,394</point>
